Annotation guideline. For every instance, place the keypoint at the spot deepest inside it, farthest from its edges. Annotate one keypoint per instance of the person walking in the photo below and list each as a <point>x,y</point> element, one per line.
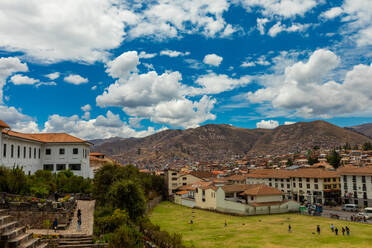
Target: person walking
<point>55,225</point>
<point>79,213</point>
<point>225,223</point>
<point>343,231</point>
<point>289,228</point>
<point>79,224</point>
<point>336,231</point>
<point>318,229</point>
<point>332,228</point>
<point>347,230</point>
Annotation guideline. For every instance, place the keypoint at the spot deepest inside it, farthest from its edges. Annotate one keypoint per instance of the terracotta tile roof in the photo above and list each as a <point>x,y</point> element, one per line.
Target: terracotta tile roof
<point>96,154</point>
<point>3,124</point>
<point>236,188</point>
<point>182,192</point>
<point>236,178</point>
<point>202,174</point>
<point>262,189</point>
<point>46,137</point>
<point>193,186</point>
<point>358,171</point>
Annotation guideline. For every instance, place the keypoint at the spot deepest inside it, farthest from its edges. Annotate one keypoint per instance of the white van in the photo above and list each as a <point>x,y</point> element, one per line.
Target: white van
<point>368,211</point>
<point>350,207</point>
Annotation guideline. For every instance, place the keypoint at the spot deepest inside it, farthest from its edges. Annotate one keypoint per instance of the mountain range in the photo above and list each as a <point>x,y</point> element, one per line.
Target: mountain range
<point>222,142</point>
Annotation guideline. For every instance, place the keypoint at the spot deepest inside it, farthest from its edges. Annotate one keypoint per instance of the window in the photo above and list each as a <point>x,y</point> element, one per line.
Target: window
<point>300,179</point>
<point>61,167</point>
<point>61,151</point>
<point>184,178</point>
<point>75,151</point>
<point>315,180</point>
<point>34,153</point>
<point>294,185</point>
<point>29,152</point>
<point>334,179</point>
<point>363,179</point>
<point>86,153</point>
<point>354,186</point>
<point>288,186</point>
<point>345,178</point>
<point>364,187</point>
<point>174,178</point>
<point>18,152</point>
<point>308,186</point>
<point>282,185</point>
<point>174,174</point>
<point>74,166</point>
<point>270,184</point>
<point>354,179</point>
<point>316,186</point>
<point>24,152</point>
<point>4,151</point>
<point>300,185</point>
<point>307,179</point>
<point>12,151</point>
<point>184,184</point>
<point>48,167</point>
<point>48,151</point>
<point>39,153</point>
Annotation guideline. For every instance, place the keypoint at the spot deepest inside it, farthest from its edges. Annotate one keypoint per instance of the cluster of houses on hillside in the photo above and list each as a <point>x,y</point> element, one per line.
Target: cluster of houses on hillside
<point>279,189</point>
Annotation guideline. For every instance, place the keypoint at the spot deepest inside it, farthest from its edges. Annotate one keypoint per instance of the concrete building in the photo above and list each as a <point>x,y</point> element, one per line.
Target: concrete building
<point>356,185</point>
<point>44,151</point>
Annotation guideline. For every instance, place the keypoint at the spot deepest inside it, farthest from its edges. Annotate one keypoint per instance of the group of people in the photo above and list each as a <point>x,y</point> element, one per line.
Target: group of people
<point>358,218</point>
<point>343,229</point>
<point>55,223</point>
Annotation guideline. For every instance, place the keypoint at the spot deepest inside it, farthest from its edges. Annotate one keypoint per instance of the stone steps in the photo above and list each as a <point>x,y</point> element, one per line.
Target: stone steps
<point>79,241</point>
<point>13,234</point>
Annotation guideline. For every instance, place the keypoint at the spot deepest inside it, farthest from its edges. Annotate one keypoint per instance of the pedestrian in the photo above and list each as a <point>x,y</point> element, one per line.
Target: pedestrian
<point>336,231</point>
<point>79,213</point>
<point>347,230</point>
<point>332,228</point>
<point>56,196</point>
<point>79,224</point>
<point>55,224</point>
<point>318,229</point>
<point>343,231</point>
<point>289,228</point>
<point>225,223</point>
<point>364,218</point>
<point>352,217</point>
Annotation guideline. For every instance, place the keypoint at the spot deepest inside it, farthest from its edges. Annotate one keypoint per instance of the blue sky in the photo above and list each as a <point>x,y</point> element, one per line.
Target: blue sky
<point>103,68</point>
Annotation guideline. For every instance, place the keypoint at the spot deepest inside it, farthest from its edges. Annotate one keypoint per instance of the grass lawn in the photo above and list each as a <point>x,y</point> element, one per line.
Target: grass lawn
<point>256,231</point>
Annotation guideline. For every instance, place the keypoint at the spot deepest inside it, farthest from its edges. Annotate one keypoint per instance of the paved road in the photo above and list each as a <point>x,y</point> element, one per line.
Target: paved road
<point>87,219</point>
<point>343,214</point>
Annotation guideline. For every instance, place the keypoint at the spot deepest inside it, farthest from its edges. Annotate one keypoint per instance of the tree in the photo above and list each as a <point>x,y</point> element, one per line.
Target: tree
<point>312,160</point>
<point>347,146</point>
<point>128,195</point>
<point>334,159</point>
<point>126,236</point>
<point>289,162</point>
<point>367,146</point>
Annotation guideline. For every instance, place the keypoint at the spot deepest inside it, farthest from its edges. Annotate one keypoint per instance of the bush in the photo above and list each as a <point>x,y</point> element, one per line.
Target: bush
<point>126,236</point>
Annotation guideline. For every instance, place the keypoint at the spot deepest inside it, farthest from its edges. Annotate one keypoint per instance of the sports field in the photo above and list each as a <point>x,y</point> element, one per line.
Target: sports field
<point>208,229</point>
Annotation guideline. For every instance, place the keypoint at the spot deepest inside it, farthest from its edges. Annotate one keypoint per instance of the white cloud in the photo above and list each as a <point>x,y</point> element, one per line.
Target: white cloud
<point>86,108</point>
<point>269,124</point>
<point>75,79</point>
<point>172,54</point>
<point>279,27</point>
<point>51,83</point>
<point>248,64</point>
<point>53,76</point>
<point>332,13</point>
<point>284,8</point>
<point>212,59</point>
<point>8,66</point>
<point>94,87</point>
<point>17,121</point>
<point>101,127</point>
<point>289,122</point>
<point>123,65</point>
<point>51,31</point>
<point>135,122</point>
<point>214,84</point>
<point>303,89</point>
<point>20,79</point>
<point>261,22</point>
<point>144,55</point>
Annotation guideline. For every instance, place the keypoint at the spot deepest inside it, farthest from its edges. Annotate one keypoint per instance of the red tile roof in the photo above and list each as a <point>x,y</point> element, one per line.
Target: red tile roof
<point>3,124</point>
<point>262,189</point>
<point>358,171</point>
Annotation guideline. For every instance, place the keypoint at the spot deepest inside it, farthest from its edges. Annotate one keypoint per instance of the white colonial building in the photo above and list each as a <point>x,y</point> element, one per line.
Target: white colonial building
<point>44,151</point>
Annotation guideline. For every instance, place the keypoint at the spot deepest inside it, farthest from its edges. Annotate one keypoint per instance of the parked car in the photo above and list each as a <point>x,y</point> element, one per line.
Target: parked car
<point>368,211</point>
<point>350,207</point>
<point>362,215</point>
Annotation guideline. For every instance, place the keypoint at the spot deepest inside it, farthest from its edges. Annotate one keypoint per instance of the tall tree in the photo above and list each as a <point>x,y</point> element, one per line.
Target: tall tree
<point>334,159</point>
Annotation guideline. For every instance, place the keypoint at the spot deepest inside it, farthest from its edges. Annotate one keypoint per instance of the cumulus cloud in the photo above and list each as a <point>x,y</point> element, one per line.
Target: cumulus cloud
<point>332,13</point>
<point>53,76</point>
<point>287,8</point>
<point>75,79</point>
<point>86,108</point>
<point>172,53</point>
<point>123,65</point>
<point>261,22</point>
<point>212,59</point>
<point>303,89</point>
<point>269,124</point>
<point>9,66</point>
<point>20,79</point>
<point>90,35</point>
<point>144,55</point>
<point>17,121</point>
<point>279,27</point>
<point>101,127</point>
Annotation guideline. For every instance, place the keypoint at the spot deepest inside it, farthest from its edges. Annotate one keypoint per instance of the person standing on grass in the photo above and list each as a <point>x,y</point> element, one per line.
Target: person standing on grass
<point>289,228</point>
<point>332,228</point>
<point>343,231</point>
<point>225,223</point>
<point>318,229</point>
<point>347,230</point>
<point>336,231</point>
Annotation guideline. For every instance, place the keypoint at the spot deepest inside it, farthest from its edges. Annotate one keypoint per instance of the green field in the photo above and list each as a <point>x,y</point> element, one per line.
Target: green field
<point>256,231</point>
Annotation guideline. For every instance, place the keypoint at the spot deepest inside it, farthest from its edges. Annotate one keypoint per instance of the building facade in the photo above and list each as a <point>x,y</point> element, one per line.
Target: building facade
<point>356,185</point>
<point>44,151</point>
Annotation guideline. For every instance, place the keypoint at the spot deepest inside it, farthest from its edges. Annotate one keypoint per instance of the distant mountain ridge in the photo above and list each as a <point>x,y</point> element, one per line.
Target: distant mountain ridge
<point>222,142</point>
<point>365,129</point>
